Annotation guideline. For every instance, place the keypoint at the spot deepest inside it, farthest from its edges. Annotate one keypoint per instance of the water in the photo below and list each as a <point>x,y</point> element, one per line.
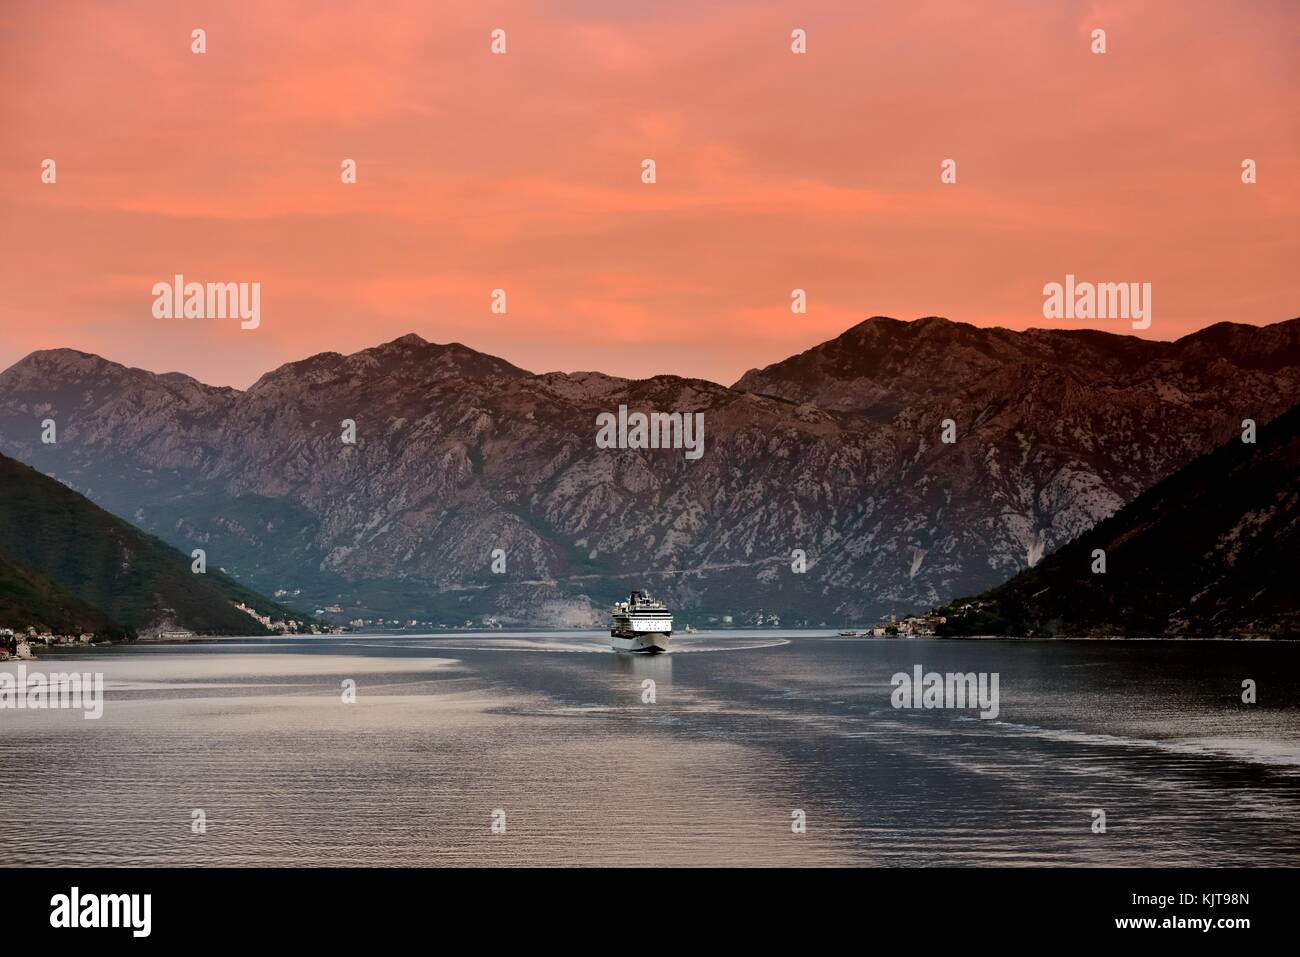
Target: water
<point>747,728</point>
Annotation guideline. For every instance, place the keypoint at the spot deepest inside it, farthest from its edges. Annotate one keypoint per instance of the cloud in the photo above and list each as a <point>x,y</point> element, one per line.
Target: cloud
<point>523,172</point>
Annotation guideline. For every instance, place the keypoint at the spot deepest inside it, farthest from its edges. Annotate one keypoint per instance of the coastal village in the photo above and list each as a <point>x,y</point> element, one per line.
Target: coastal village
<point>912,626</point>
<point>290,626</point>
<point>19,644</point>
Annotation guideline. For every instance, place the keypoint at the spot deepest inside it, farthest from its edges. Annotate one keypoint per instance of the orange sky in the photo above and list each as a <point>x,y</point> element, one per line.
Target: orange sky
<point>522,171</point>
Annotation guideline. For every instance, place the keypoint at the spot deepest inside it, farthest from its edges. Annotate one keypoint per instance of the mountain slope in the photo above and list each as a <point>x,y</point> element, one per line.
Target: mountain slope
<point>881,366</point>
<point>28,599</point>
<point>57,546</point>
<point>1210,551</point>
<point>460,454</point>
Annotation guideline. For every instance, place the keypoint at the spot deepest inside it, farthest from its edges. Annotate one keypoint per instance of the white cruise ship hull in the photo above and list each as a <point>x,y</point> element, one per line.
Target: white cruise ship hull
<point>649,642</point>
<point>640,624</point>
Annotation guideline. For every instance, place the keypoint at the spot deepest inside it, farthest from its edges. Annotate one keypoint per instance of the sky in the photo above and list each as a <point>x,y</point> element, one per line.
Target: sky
<point>522,171</point>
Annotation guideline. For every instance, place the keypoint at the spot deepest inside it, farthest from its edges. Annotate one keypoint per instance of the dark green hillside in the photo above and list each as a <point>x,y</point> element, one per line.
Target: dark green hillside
<point>28,599</point>
<point>60,544</point>
<point>1211,551</point>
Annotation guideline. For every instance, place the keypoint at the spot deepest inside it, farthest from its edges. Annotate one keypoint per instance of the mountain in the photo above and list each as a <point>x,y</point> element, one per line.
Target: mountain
<point>459,454</point>
<point>67,565</point>
<point>882,366</point>
<point>1210,551</point>
<point>30,599</point>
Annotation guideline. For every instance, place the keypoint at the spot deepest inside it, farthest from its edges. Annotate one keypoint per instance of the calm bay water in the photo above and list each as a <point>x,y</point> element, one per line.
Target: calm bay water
<point>747,727</point>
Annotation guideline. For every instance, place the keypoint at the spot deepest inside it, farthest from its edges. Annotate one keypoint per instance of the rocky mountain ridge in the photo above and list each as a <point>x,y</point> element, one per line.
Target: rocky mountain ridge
<point>1210,551</point>
<point>835,454</point>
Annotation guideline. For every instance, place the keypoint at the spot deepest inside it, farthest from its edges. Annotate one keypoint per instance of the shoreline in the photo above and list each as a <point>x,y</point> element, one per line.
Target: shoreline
<point>817,633</point>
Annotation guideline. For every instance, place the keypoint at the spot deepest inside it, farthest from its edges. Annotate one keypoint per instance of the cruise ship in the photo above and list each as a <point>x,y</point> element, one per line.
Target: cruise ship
<point>641,624</point>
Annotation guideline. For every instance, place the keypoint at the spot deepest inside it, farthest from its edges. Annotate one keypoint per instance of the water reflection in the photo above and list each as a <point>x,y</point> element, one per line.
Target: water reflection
<point>658,668</point>
<point>743,729</point>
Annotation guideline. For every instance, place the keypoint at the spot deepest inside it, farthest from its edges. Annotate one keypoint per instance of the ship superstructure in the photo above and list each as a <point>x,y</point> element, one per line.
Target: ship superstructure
<point>641,624</point>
